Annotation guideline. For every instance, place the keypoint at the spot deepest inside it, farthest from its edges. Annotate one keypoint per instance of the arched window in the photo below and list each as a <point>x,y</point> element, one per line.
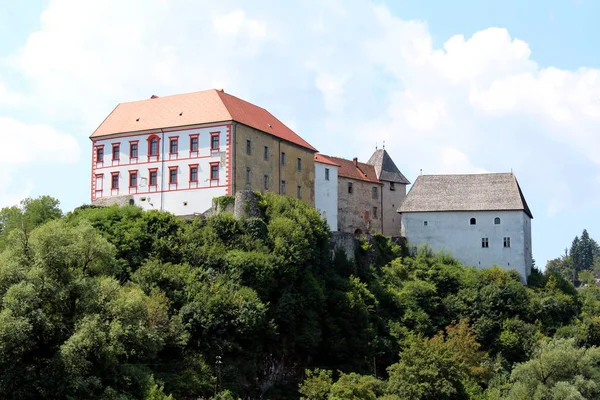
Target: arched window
<point>497,221</point>
<point>473,221</point>
<point>153,142</point>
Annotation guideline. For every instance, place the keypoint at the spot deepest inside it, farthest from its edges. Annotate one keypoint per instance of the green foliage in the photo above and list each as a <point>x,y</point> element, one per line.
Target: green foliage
<point>118,303</point>
<point>223,202</point>
<point>22,219</point>
<point>316,385</point>
<point>558,370</point>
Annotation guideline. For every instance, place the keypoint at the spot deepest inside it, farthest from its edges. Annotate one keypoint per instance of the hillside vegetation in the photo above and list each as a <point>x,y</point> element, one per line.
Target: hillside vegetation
<point>117,303</point>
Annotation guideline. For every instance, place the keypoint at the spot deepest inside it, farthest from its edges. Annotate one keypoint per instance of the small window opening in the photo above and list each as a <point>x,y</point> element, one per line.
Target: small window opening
<point>497,221</point>
<point>473,221</point>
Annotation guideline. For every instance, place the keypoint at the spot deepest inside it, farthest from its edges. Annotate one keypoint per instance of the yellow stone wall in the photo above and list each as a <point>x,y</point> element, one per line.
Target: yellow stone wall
<point>259,167</point>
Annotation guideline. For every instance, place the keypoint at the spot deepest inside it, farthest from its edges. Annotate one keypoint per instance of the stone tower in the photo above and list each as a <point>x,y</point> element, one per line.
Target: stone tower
<point>393,191</point>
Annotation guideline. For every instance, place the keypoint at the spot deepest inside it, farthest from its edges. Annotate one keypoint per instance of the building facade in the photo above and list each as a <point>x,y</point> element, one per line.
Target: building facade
<point>481,219</point>
<point>177,153</point>
<point>326,190</point>
<point>366,203</point>
<point>393,191</point>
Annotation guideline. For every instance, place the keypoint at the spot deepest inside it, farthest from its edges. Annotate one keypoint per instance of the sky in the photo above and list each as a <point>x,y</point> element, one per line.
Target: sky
<point>451,87</point>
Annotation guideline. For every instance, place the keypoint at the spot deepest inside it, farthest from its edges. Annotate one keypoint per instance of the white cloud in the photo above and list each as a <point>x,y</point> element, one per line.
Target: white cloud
<point>236,23</point>
<point>454,161</point>
<point>25,144</point>
<point>332,88</point>
<point>12,193</point>
<point>348,73</point>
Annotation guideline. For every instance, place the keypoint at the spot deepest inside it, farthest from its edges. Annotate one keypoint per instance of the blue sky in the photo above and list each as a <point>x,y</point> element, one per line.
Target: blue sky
<point>452,87</point>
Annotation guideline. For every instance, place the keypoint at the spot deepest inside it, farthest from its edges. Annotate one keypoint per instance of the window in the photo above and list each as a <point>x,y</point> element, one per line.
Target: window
<point>424,223</point>
<point>350,187</point>
<point>153,146</point>
<point>473,221</point>
<point>282,158</point>
<point>299,164</point>
<point>485,243</point>
<point>193,142</point>
<point>194,173</point>
<point>173,145</point>
<point>114,183</point>
<point>99,185</point>
<point>282,187</point>
<point>116,150</point>
<point>172,175</point>
<point>248,147</point>
<point>497,222</point>
<point>214,171</point>
<point>506,242</point>
<point>266,155</point>
<point>100,154</point>
<point>392,186</point>
<point>133,149</point>
<point>299,192</point>
<point>326,174</point>
<point>266,181</point>
<point>153,173</point>
<point>215,141</point>
<point>374,212</point>
<point>247,176</point>
<point>133,175</point>
<point>374,192</point>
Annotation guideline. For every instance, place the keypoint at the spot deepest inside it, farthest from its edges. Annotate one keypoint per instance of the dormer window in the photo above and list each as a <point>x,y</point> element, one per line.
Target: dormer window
<point>473,221</point>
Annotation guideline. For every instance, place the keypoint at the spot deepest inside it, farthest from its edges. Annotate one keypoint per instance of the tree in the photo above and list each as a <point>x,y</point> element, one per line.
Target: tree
<point>557,368</point>
<point>583,252</point>
<point>30,214</point>
<point>444,367</point>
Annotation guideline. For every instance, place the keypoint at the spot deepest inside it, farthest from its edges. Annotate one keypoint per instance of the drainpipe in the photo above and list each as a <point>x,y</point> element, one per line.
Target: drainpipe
<point>233,166</point>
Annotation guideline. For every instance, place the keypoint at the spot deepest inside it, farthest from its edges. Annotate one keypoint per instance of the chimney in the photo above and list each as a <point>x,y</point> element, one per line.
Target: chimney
<point>154,96</point>
<point>355,159</point>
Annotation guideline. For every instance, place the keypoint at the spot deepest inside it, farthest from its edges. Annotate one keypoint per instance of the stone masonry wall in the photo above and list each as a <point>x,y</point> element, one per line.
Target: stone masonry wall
<point>355,210</point>
<point>251,169</point>
<point>391,200</point>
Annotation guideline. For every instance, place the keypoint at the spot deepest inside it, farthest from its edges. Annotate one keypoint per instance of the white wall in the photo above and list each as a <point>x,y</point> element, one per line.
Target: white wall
<point>326,193</point>
<point>452,232</point>
<point>185,197</point>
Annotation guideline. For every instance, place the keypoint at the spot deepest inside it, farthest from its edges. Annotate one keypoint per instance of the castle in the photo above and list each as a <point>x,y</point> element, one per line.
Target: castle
<point>177,153</point>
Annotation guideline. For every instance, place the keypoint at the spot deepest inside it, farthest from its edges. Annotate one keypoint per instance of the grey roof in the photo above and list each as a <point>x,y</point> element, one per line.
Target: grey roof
<point>476,192</point>
<point>385,168</point>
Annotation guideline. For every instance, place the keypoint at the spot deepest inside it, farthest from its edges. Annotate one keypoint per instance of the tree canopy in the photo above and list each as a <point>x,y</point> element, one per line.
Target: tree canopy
<point>118,303</point>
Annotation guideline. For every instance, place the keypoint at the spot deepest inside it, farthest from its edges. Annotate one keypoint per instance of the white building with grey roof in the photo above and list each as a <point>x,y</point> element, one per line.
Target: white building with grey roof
<point>481,219</point>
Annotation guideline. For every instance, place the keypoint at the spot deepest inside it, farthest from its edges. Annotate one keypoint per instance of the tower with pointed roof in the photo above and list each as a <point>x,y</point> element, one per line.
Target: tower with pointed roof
<point>368,194</point>
<point>393,190</point>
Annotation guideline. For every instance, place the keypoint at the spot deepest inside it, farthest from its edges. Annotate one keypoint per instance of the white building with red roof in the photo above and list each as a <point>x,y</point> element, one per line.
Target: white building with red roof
<point>177,153</point>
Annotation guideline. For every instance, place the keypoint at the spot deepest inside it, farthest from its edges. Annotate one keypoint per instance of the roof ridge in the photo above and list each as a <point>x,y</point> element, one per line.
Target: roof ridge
<point>471,174</point>
<point>168,96</point>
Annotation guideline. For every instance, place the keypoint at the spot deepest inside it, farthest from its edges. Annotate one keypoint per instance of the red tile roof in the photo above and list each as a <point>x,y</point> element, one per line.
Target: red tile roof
<point>360,171</point>
<point>193,109</point>
<point>320,158</point>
